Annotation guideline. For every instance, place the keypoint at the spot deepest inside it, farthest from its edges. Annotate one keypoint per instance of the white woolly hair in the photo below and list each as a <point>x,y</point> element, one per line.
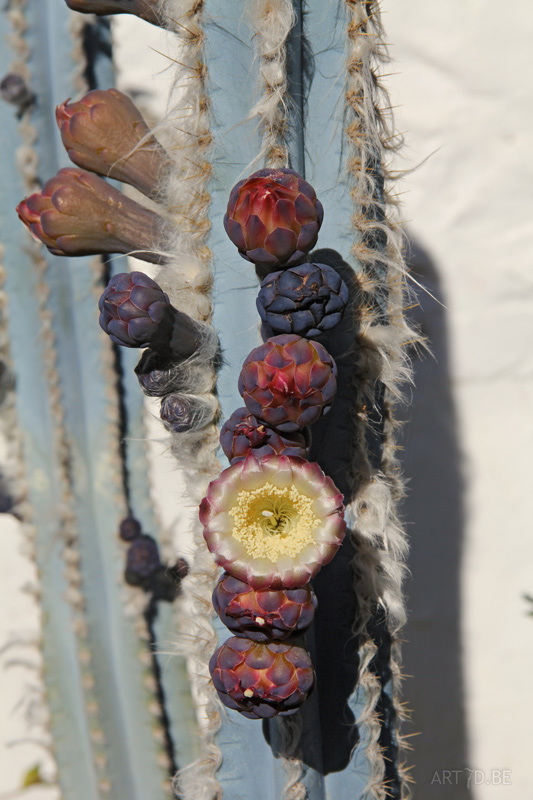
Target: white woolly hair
<point>383,333</point>
<point>271,21</point>
<point>185,275</point>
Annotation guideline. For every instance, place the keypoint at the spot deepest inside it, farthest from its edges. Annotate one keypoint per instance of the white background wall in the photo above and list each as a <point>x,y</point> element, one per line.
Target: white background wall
<point>464,92</point>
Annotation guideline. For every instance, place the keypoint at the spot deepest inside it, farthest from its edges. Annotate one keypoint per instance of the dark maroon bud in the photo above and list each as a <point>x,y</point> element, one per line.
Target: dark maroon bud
<point>13,89</point>
<point>180,569</point>
<point>243,434</point>
<point>142,560</point>
<point>186,412</point>
<point>163,584</point>
<point>129,529</point>
<point>135,312</point>
<point>308,300</point>
<point>156,374</point>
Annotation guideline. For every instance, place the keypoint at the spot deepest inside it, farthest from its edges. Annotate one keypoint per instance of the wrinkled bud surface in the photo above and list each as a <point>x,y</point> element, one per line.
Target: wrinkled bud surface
<point>187,412</point>
<point>79,214</point>
<point>243,434</point>
<point>308,300</point>
<point>102,132</point>
<point>273,523</point>
<point>289,382</point>
<point>155,374</point>
<point>145,9</point>
<point>142,559</point>
<point>263,616</point>
<point>134,310</point>
<point>273,217</point>
<point>129,529</point>
<point>261,680</point>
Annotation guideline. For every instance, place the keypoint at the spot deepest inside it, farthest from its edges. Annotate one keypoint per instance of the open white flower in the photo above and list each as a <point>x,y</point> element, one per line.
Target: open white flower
<point>273,522</point>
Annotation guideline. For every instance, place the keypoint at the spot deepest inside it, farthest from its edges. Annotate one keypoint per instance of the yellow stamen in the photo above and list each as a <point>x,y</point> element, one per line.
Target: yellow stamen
<point>271,522</point>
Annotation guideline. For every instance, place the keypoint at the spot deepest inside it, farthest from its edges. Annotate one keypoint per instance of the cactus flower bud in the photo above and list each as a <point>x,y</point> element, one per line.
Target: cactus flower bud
<point>142,560</point>
<point>308,299</point>
<point>273,523</point>
<point>145,9</point>
<point>136,312</point>
<point>129,529</point>
<point>263,616</point>
<point>261,680</point>
<point>243,433</point>
<point>187,412</point>
<point>103,132</point>
<point>273,217</point>
<point>289,382</point>
<point>79,214</point>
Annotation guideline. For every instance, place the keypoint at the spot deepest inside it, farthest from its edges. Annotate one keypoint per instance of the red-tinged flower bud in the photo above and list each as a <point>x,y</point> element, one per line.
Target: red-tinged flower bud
<point>261,680</point>
<point>103,132</point>
<point>145,9</point>
<point>273,217</point>
<point>243,433</point>
<point>289,382</point>
<point>79,214</point>
<point>263,616</point>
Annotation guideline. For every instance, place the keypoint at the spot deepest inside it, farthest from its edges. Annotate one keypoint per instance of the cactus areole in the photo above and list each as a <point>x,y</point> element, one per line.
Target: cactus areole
<point>273,523</point>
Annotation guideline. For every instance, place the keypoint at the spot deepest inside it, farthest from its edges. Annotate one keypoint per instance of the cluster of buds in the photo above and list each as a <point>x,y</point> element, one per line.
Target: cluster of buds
<point>77,213</point>
<point>272,519</point>
<point>143,563</point>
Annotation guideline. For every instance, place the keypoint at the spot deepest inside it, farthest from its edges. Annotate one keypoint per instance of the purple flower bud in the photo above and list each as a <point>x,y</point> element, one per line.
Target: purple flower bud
<point>135,312</point>
<point>308,300</point>
<point>142,560</point>
<point>129,529</point>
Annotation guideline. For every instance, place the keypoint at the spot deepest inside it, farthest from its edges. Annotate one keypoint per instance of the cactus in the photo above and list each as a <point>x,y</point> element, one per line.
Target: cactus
<point>344,742</point>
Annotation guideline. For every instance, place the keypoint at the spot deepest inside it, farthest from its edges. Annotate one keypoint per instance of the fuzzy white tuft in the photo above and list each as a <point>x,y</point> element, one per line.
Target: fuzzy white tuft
<point>187,279</point>
<point>271,21</point>
<point>383,334</point>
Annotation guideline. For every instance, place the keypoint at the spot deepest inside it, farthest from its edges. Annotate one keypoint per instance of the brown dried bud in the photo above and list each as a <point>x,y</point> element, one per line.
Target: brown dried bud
<point>79,214</point>
<point>103,132</point>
